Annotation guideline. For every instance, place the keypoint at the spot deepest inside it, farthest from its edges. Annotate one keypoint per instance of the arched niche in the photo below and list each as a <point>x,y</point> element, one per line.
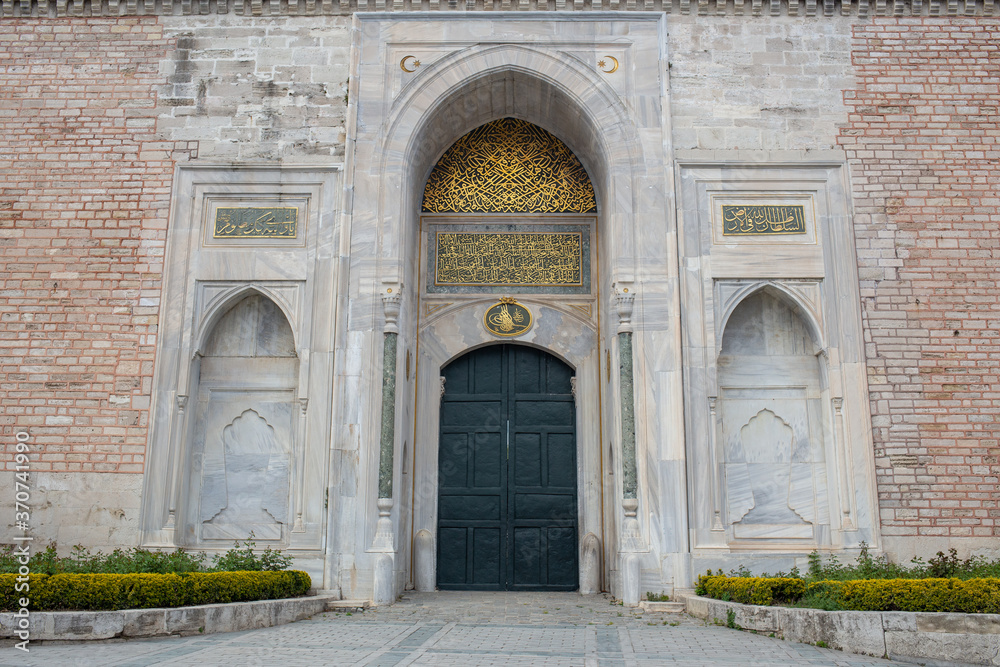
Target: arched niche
<point>773,425</point>
<point>242,432</point>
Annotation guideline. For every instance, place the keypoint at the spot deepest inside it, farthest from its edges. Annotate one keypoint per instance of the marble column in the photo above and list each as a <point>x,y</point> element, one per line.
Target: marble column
<point>631,542</point>
<point>384,543</point>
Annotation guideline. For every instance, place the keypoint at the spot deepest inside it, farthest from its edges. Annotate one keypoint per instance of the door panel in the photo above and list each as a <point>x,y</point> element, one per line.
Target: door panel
<point>507,472</point>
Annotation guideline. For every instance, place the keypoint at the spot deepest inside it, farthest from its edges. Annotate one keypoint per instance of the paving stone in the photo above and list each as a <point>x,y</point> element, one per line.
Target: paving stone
<point>463,629</point>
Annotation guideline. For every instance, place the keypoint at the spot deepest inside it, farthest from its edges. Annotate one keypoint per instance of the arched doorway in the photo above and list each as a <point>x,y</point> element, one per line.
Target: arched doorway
<point>507,492</point>
<point>508,215</point>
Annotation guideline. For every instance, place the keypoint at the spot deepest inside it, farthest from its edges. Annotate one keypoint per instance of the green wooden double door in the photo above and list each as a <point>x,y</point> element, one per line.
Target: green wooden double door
<point>507,510</point>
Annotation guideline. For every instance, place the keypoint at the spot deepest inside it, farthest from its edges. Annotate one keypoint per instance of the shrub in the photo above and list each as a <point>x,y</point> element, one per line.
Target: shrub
<point>140,591</point>
<point>244,559</point>
<point>753,590</point>
<point>137,561</point>
<point>974,596</point>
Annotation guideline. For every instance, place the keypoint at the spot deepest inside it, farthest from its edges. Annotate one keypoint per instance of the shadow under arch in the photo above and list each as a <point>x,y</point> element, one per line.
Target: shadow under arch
<point>224,302</point>
<point>795,302</point>
<point>516,343</point>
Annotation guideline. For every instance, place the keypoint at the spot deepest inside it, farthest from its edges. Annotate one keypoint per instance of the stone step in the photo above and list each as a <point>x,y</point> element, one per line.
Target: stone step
<point>662,607</point>
<point>348,605</point>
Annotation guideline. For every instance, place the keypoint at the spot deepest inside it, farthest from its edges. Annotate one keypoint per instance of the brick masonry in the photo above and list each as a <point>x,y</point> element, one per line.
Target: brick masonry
<point>922,140</point>
<point>95,112</point>
<point>84,195</point>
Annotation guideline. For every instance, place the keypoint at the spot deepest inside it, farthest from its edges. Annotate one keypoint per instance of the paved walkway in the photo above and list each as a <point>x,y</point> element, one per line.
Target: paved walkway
<point>462,629</point>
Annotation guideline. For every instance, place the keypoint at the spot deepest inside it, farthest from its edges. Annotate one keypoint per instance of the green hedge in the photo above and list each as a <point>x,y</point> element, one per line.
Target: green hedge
<point>753,590</point>
<point>142,591</point>
<point>972,596</point>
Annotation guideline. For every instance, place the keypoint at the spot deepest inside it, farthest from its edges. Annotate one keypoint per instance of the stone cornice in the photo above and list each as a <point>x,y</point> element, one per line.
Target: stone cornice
<point>283,8</point>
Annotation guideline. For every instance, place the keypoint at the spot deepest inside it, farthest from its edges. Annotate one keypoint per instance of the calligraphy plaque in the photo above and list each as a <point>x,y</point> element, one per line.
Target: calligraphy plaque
<point>256,222</point>
<point>509,258</point>
<point>763,220</point>
<point>507,318</point>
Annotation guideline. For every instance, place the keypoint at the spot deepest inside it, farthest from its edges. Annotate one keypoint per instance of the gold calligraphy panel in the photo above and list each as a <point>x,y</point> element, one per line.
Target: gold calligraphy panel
<point>509,166</point>
<point>256,222</point>
<point>509,258</point>
<point>763,220</point>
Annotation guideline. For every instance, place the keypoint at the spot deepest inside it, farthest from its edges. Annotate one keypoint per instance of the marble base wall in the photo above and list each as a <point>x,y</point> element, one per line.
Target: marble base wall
<point>98,510</point>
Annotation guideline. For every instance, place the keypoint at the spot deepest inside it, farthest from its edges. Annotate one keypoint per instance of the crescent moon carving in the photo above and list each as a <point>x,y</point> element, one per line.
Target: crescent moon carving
<point>402,64</point>
<point>614,66</point>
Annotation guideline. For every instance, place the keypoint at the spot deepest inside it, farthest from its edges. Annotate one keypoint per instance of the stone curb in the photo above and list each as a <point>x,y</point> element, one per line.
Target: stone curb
<point>943,638</point>
<point>196,620</point>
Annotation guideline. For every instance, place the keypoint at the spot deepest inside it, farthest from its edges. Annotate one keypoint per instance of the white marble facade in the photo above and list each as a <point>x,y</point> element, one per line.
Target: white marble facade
<point>752,441</point>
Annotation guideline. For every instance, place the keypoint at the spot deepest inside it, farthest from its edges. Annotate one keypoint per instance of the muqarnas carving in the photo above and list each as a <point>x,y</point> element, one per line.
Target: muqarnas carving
<point>253,471</point>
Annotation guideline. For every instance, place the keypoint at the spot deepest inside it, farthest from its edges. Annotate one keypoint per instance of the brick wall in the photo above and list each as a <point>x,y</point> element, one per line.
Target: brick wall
<point>84,196</point>
<point>922,143</point>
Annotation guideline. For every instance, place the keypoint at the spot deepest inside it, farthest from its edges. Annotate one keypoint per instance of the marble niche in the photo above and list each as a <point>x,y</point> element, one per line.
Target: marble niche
<point>772,424</point>
<point>243,424</point>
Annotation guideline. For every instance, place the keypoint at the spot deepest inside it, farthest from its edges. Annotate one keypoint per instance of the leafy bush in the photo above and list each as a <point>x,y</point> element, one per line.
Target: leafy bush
<point>243,559</point>
<point>141,591</point>
<point>975,596</point>
<point>752,590</point>
<point>867,566</point>
<point>144,561</point>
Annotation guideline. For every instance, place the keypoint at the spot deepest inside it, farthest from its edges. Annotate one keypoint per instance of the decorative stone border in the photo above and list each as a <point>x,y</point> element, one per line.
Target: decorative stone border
<point>201,619</point>
<point>904,635</point>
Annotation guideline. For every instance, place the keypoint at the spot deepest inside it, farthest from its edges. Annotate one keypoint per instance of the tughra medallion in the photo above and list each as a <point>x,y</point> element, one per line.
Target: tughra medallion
<point>507,318</point>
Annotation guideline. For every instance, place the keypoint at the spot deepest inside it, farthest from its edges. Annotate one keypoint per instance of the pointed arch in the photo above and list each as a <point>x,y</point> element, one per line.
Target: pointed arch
<point>221,303</point>
<point>797,303</point>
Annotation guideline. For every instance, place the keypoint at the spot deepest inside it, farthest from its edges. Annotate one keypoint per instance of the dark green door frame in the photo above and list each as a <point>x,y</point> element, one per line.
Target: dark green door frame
<point>507,497</point>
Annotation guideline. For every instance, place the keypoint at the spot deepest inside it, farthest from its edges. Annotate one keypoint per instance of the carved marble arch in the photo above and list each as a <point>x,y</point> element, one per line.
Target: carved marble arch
<point>244,434</point>
<point>774,427</point>
<point>217,300</point>
<point>800,299</point>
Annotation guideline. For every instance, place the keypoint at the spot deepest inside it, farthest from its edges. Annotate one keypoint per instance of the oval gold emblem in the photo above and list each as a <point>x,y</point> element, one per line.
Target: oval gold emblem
<point>507,318</point>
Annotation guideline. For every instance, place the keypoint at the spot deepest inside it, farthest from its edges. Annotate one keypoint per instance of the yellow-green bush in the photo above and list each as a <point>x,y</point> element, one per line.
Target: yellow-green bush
<point>975,596</point>
<point>140,591</point>
<point>753,590</point>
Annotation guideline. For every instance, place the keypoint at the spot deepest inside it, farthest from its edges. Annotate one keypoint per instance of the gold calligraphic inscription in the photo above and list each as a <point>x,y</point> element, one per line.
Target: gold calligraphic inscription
<point>507,318</point>
<point>759,220</point>
<point>509,166</point>
<point>509,258</point>
<point>256,223</point>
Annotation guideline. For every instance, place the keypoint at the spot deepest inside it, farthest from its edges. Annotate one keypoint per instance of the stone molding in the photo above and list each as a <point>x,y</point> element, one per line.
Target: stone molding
<point>944,638</point>
<point>204,619</point>
<point>283,8</point>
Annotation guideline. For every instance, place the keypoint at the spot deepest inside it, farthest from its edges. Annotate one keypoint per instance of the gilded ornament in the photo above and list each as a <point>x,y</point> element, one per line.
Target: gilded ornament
<point>601,64</point>
<point>763,220</point>
<point>507,318</point>
<point>509,166</point>
<point>255,222</point>
<point>509,258</point>
<point>414,64</point>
